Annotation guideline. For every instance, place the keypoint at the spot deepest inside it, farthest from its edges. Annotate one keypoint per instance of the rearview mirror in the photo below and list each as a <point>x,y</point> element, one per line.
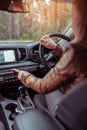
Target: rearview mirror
<point>14,6</point>
<point>20,8</point>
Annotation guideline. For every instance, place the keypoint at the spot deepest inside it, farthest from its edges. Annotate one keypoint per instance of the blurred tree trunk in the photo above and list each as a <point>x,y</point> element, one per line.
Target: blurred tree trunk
<point>9,26</point>
<point>17,30</point>
<point>54,11</point>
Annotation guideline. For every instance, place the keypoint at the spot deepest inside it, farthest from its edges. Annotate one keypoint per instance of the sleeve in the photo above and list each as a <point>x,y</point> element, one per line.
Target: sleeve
<point>53,79</point>
<point>58,51</point>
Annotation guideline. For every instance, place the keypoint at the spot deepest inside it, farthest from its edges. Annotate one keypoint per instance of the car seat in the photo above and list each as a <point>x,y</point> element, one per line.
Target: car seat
<point>2,127</point>
<point>48,101</point>
<point>71,111</point>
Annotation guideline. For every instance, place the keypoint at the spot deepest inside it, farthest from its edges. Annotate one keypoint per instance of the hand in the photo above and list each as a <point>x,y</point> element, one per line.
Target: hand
<point>48,42</point>
<point>22,75</point>
<point>19,72</point>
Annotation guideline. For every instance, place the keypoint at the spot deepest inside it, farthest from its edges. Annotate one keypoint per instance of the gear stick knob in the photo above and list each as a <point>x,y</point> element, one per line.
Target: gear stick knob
<point>22,91</point>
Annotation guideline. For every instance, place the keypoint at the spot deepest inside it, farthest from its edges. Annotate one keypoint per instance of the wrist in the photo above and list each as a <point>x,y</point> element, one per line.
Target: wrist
<point>55,45</point>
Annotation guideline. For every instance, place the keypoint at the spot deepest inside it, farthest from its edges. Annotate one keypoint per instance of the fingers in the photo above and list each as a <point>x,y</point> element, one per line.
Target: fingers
<point>16,70</point>
<point>19,72</point>
<point>47,42</point>
<point>44,38</point>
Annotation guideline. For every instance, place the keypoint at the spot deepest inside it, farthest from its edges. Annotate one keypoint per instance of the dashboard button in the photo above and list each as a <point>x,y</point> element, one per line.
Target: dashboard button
<point>1,79</point>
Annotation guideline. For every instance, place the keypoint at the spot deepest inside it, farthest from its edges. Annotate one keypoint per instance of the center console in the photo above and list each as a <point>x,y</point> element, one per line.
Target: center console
<point>36,120</point>
<point>11,108</point>
<point>21,114</point>
<point>7,77</point>
<point>9,84</point>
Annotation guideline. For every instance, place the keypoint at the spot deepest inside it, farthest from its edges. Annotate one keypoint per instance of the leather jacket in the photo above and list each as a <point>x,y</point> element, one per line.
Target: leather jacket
<point>70,70</point>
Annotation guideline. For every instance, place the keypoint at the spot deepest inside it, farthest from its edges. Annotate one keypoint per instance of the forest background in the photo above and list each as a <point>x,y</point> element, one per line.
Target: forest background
<point>45,16</point>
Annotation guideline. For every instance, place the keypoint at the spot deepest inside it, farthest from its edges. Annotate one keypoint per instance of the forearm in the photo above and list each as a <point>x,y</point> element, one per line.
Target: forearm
<point>50,82</point>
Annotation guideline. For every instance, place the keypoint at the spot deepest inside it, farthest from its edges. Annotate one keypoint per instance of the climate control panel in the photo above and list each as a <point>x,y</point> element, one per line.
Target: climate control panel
<point>8,77</point>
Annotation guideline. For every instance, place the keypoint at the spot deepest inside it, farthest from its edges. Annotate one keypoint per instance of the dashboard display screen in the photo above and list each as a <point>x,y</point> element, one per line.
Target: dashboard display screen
<point>7,56</point>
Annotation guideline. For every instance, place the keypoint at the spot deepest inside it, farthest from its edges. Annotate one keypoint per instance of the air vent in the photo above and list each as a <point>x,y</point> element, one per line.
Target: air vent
<point>22,54</point>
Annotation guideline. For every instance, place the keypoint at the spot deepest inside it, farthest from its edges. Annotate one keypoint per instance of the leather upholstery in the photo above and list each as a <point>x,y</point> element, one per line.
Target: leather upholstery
<point>48,101</point>
<point>36,120</point>
<point>72,110</point>
<point>2,127</point>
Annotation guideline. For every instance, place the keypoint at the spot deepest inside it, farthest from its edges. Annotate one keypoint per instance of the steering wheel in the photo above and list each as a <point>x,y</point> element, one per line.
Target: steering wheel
<point>47,58</point>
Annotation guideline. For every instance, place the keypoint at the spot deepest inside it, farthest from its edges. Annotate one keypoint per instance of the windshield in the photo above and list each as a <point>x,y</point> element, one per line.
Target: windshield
<point>45,16</point>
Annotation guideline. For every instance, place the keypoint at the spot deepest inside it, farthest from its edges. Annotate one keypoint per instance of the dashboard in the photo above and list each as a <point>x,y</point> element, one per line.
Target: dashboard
<point>21,55</point>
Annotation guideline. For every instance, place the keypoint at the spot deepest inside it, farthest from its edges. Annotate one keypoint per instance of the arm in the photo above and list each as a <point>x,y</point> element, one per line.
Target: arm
<point>52,80</point>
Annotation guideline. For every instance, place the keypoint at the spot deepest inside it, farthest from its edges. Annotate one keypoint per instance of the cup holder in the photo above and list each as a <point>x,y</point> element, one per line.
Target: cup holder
<point>12,107</point>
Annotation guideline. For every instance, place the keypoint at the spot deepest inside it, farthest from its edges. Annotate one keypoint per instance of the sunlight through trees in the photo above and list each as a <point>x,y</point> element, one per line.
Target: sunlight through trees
<point>45,16</point>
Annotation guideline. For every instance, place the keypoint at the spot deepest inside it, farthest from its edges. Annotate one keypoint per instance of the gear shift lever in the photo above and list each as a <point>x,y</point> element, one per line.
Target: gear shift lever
<point>24,100</point>
<point>22,91</point>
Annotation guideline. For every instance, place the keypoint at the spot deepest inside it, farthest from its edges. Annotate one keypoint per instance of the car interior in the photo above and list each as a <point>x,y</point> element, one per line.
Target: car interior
<point>22,108</point>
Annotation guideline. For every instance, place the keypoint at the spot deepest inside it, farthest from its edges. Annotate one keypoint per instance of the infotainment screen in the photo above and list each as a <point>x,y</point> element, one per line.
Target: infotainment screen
<point>7,56</point>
